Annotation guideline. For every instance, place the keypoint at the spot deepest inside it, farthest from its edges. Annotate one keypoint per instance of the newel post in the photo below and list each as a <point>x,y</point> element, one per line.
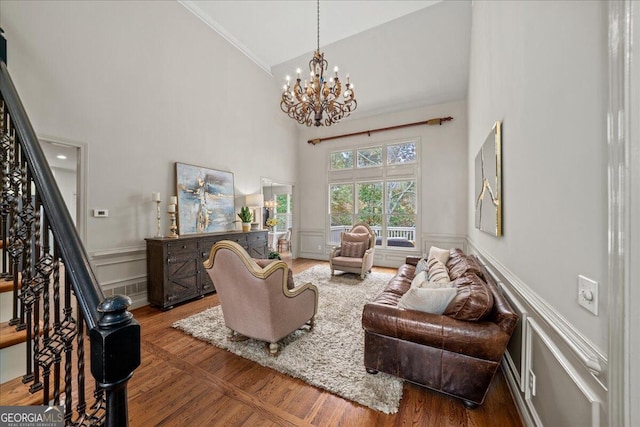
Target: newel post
<point>115,354</point>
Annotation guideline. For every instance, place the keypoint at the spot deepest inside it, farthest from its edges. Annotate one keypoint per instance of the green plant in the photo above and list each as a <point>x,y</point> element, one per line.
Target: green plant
<point>274,255</point>
<point>245,214</point>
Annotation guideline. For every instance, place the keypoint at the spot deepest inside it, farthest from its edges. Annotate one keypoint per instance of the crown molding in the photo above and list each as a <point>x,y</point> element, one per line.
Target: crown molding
<point>193,7</point>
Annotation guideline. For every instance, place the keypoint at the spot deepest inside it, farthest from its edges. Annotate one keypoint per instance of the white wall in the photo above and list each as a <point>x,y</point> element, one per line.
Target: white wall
<point>443,172</point>
<point>540,68</point>
<point>144,85</point>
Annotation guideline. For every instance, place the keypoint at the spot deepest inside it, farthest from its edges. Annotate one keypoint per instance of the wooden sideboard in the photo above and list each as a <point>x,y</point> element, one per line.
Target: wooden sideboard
<point>174,266</point>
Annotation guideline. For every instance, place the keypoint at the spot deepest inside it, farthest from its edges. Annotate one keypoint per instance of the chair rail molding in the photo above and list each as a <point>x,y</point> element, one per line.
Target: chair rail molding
<point>588,354</point>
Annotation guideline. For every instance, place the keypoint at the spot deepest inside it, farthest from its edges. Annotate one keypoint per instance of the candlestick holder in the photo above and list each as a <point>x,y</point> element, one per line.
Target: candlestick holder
<point>173,227</point>
<point>158,233</point>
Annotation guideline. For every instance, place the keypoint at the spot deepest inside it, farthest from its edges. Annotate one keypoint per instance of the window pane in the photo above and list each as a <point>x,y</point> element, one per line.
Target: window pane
<point>342,160</point>
<point>370,157</point>
<point>401,213</point>
<point>341,210</point>
<point>370,203</point>
<point>401,153</point>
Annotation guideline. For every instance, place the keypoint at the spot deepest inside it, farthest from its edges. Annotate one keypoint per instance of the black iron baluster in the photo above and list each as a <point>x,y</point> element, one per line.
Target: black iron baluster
<point>57,343</point>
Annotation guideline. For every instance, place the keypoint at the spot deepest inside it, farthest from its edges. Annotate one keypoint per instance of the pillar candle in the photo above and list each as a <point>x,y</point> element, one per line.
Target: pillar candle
<point>172,208</point>
<point>155,197</point>
<point>173,200</point>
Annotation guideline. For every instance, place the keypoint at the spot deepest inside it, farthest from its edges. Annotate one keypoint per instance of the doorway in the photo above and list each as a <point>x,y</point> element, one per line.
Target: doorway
<point>66,161</point>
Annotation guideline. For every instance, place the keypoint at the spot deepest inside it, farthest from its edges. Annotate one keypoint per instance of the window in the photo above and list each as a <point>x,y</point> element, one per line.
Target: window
<point>369,157</point>
<point>398,154</point>
<point>284,212</point>
<point>381,191</point>
<point>341,160</point>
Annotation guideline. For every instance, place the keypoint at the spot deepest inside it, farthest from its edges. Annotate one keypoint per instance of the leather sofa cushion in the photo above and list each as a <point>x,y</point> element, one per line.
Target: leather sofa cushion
<point>262,263</point>
<point>473,300</point>
<point>459,264</point>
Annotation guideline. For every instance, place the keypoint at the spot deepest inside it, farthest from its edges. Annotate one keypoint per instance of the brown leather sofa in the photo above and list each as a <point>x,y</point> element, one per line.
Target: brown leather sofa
<point>442,352</point>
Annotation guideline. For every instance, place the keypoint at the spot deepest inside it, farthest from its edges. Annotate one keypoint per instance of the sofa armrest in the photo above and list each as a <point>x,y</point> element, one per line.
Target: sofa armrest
<point>412,260</point>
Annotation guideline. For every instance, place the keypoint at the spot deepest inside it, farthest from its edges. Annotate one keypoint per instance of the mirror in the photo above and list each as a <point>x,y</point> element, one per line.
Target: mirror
<point>278,205</point>
<point>488,183</point>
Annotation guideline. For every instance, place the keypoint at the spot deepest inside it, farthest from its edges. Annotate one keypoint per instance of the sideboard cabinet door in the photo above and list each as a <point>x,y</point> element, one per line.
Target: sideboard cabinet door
<point>175,267</point>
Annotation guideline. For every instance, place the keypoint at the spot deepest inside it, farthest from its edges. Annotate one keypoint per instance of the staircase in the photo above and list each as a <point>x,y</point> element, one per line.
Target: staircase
<point>57,329</point>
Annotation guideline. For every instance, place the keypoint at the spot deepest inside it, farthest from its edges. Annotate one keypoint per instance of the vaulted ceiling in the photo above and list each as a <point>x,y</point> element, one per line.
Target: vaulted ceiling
<point>399,54</point>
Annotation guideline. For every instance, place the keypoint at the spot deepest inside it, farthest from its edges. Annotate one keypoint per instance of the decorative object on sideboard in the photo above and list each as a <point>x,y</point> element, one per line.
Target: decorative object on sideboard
<point>309,104</point>
<point>171,210</point>
<point>255,202</point>
<point>272,223</point>
<point>488,181</point>
<point>245,217</point>
<point>205,199</point>
<point>155,197</point>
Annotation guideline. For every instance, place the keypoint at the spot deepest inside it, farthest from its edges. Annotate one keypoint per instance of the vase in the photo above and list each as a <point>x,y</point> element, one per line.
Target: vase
<point>246,226</point>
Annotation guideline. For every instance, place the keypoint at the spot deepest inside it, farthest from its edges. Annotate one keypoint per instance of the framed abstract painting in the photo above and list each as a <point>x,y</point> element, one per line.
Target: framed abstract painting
<point>488,183</point>
<point>206,199</point>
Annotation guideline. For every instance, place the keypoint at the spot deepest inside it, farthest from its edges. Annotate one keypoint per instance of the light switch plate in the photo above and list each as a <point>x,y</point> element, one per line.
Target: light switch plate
<point>101,213</point>
<point>588,294</point>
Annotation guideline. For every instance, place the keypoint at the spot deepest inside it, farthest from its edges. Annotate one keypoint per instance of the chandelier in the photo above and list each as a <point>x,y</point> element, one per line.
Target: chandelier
<point>317,102</point>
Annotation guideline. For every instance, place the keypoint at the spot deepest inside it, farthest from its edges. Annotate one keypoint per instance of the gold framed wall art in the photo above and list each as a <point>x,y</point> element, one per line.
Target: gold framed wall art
<point>488,183</point>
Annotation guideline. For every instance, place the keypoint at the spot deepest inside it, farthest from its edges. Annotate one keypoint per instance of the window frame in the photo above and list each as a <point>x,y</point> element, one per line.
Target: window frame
<point>409,171</point>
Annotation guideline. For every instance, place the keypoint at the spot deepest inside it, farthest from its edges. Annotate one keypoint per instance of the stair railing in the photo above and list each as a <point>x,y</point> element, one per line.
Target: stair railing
<point>57,298</point>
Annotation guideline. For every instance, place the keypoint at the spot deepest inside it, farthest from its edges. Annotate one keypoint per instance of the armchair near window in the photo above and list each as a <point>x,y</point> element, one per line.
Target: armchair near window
<point>355,253</point>
<point>258,302</point>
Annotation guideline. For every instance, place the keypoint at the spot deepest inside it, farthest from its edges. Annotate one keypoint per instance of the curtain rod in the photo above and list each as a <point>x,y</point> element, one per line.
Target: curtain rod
<point>430,122</point>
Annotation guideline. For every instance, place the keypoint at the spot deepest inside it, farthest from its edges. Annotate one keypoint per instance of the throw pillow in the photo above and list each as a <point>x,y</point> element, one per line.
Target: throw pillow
<point>419,280</point>
<point>441,254</point>
<point>262,263</point>
<point>421,266</point>
<point>352,249</point>
<point>429,300</point>
<point>473,300</point>
<point>437,271</point>
<point>355,237</point>
<point>436,285</point>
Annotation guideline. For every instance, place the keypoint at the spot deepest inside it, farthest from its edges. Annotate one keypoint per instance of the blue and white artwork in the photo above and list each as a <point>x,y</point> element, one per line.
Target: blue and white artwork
<point>205,199</point>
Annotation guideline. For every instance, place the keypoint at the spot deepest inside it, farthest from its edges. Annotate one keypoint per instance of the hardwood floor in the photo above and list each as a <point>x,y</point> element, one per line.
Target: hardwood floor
<point>186,382</point>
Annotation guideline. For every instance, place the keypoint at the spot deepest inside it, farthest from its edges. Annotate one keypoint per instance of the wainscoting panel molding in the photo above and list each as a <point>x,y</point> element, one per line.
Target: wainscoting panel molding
<point>122,271</point>
<point>581,405</point>
<point>556,375</point>
<point>312,244</point>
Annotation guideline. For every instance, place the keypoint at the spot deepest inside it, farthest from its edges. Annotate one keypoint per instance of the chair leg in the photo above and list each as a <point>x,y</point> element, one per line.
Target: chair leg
<point>312,323</point>
<point>333,273</point>
<point>273,349</point>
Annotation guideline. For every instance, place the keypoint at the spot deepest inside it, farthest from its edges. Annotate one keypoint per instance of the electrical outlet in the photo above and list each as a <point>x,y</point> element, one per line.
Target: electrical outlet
<point>588,294</point>
<point>532,383</point>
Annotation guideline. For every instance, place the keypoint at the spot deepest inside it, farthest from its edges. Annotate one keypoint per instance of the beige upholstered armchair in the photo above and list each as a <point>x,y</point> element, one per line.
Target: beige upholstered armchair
<point>355,253</point>
<point>258,302</point>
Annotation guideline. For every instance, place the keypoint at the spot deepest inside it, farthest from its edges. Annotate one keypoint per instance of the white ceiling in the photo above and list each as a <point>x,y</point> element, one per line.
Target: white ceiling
<point>399,54</point>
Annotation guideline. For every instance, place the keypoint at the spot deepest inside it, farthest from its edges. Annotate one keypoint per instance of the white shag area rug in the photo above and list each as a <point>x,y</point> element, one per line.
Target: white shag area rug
<point>331,355</point>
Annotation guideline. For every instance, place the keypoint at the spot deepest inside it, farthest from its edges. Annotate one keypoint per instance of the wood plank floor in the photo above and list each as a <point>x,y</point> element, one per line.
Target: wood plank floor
<point>186,382</point>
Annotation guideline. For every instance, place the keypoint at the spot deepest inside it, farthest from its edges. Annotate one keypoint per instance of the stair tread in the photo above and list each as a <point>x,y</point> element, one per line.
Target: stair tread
<point>9,336</point>
<point>15,393</point>
<point>6,285</point>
